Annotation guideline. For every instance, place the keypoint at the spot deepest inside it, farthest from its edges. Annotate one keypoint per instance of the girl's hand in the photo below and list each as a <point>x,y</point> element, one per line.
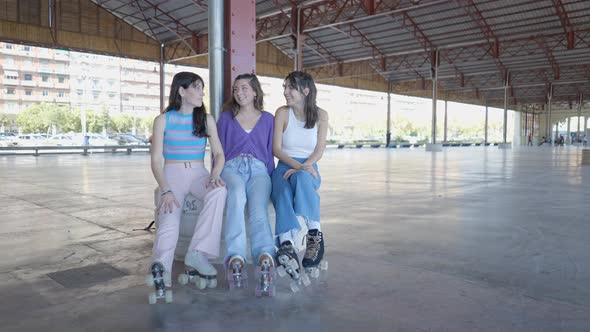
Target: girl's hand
<point>311,170</point>
<point>167,203</point>
<point>215,182</point>
<point>288,173</point>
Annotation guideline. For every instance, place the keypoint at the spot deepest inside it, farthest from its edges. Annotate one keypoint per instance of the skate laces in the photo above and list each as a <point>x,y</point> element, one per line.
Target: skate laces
<point>313,246</point>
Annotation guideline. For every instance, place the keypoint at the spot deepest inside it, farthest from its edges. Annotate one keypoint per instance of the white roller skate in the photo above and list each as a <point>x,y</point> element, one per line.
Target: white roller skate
<point>264,276</point>
<point>314,261</point>
<point>236,274</point>
<point>198,270</point>
<point>288,264</point>
<point>158,278</point>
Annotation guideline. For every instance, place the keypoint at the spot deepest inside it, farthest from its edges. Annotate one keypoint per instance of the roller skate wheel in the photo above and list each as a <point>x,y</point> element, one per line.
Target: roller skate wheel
<point>212,283</point>
<point>168,297</point>
<point>281,271</point>
<point>149,280</point>
<point>324,265</point>
<point>183,279</point>
<point>294,287</point>
<point>305,280</point>
<point>152,299</point>
<point>315,273</point>
<point>201,283</point>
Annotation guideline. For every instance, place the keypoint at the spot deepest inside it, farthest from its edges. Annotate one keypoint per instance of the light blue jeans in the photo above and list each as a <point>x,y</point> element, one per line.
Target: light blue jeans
<point>294,197</point>
<point>248,185</point>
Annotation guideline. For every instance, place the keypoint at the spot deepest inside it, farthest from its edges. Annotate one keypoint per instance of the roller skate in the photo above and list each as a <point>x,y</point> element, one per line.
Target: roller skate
<point>236,274</point>
<point>288,263</point>
<point>313,261</point>
<point>198,270</point>
<point>158,279</point>
<point>264,276</point>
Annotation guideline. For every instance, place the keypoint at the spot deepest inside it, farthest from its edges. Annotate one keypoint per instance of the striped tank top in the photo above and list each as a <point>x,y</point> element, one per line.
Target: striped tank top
<point>179,141</point>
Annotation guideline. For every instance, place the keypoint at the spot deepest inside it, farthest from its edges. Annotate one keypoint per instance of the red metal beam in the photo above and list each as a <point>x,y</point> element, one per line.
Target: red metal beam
<point>563,16</point>
<point>471,8</point>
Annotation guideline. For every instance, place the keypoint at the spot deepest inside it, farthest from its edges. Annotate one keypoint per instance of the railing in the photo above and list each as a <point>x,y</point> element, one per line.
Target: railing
<point>128,149</point>
<point>83,149</point>
<point>397,145</point>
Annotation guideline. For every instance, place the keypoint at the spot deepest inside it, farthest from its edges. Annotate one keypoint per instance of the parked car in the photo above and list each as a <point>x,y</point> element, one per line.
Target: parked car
<point>143,138</point>
<point>62,140</point>
<point>94,139</point>
<point>6,141</point>
<point>127,139</point>
<point>30,139</point>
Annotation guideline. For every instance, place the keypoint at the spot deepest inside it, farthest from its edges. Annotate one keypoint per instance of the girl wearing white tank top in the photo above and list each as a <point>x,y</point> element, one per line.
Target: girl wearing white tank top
<point>299,140</point>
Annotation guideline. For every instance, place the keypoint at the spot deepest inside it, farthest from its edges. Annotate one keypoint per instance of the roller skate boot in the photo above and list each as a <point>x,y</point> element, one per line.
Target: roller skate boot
<point>288,263</point>
<point>198,270</point>
<point>313,261</point>
<point>264,276</point>
<point>158,278</point>
<point>236,274</point>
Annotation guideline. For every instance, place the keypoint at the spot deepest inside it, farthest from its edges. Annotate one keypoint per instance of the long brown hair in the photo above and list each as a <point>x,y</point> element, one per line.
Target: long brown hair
<point>232,104</point>
<point>300,80</point>
<point>185,79</point>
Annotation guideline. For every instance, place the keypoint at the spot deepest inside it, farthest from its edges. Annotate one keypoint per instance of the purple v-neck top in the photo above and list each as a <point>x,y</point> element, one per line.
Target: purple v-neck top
<point>236,141</point>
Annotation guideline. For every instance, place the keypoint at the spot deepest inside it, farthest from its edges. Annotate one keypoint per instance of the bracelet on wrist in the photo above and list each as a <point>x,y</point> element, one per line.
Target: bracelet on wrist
<point>165,192</point>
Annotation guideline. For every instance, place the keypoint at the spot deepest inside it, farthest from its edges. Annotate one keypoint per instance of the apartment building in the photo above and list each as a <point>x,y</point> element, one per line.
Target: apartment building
<point>32,75</point>
<point>87,81</point>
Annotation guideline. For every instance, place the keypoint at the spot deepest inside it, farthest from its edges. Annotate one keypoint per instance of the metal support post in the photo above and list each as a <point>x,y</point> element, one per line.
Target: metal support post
<point>216,23</point>
<point>388,136</point>
<point>434,72</point>
<point>445,125</point>
<point>485,140</point>
<point>162,82</point>
<point>505,126</point>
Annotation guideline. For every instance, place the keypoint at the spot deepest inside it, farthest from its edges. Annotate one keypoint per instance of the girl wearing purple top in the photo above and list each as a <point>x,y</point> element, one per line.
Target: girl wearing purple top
<point>246,132</point>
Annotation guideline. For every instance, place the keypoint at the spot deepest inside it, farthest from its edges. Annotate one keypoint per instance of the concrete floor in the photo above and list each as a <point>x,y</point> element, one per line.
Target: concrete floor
<point>469,239</point>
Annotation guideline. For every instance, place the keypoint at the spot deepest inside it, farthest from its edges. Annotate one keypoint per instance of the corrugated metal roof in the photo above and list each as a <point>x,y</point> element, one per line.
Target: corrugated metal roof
<point>530,37</point>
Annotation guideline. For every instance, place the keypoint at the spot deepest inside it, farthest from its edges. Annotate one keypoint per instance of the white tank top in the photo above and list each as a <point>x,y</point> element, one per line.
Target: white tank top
<point>298,141</point>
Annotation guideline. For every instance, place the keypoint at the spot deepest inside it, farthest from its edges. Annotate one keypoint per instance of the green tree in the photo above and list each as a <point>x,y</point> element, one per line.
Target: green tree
<point>147,124</point>
<point>122,123</point>
<point>41,118</point>
<point>5,120</point>
<point>71,121</point>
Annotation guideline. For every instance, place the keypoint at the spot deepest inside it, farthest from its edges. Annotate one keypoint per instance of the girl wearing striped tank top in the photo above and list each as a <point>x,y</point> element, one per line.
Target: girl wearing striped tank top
<point>180,136</point>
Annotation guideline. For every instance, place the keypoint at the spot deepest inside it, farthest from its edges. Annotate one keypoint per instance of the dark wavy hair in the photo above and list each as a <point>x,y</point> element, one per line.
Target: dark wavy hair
<point>232,104</point>
<point>185,79</point>
<point>300,80</point>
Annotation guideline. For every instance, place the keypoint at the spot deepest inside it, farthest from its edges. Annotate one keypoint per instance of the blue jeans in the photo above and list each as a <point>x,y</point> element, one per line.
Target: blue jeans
<point>294,197</point>
<point>247,182</point>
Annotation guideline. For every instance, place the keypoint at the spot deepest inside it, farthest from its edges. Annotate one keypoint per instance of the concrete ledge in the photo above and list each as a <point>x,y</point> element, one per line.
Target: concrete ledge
<point>433,147</point>
<point>505,146</point>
